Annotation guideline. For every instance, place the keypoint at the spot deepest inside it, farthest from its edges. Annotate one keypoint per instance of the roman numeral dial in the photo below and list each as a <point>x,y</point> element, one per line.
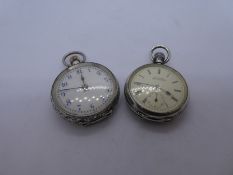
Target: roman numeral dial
<point>158,88</point>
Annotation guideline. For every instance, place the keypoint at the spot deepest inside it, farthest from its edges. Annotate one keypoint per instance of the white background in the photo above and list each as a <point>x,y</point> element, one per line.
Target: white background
<point>34,35</point>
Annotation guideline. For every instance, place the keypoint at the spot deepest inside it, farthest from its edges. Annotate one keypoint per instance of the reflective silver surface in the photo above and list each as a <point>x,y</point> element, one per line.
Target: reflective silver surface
<point>156,97</point>
<point>85,93</point>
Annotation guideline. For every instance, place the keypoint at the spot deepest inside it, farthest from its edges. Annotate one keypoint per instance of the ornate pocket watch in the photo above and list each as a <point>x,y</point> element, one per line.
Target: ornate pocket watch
<point>156,92</point>
<point>85,92</point>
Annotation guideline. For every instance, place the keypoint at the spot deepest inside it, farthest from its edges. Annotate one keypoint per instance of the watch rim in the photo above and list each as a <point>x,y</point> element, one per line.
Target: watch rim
<point>86,119</point>
<point>151,115</point>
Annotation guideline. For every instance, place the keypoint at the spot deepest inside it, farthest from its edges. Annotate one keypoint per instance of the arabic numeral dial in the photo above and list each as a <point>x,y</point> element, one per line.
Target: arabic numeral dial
<point>85,90</point>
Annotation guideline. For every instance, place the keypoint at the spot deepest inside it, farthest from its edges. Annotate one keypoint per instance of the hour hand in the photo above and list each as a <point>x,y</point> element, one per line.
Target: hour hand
<point>156,98</point>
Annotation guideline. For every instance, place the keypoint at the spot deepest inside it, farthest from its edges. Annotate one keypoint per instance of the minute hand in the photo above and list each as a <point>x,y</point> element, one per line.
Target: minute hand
<point>144,83</point>
<point>71,89</point>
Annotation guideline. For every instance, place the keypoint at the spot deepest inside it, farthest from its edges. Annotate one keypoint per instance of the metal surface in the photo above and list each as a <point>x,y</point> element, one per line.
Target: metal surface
<point>91,119</point>
<point>158,56</point>
<point>73,58</point>
<point>150,115</point>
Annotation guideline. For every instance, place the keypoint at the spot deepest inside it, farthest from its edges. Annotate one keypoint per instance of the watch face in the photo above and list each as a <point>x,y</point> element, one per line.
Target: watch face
<point>158,89</point>
<point>85,89</point>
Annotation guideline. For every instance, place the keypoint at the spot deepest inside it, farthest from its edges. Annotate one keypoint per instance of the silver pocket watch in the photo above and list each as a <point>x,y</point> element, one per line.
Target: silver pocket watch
<point>85,92</point>
<point>156,92</point>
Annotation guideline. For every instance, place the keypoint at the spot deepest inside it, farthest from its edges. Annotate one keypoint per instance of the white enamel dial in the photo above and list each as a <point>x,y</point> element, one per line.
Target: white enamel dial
<point>84,90</point>
<point>158,88</point>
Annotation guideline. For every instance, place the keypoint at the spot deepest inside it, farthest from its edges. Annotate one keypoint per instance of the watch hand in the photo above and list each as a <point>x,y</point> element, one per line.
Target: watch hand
<point>143,83</point>
<point>156,98</point>
<point>83,80</point>
<point>156,86</point>
<point>71,88</point>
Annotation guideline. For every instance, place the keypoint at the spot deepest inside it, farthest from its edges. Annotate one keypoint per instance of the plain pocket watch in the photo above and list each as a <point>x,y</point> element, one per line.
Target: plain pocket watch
<point>156,92</point>
<point>84,92</point>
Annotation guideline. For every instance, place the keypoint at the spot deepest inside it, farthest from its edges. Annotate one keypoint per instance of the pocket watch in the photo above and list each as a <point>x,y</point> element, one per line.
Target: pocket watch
<point>85,92</point>
<point>156,92</point>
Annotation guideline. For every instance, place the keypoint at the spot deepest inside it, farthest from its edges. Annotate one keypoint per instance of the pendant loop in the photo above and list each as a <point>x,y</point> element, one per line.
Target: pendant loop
<point>73,58</point>
<point>159,57</point>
